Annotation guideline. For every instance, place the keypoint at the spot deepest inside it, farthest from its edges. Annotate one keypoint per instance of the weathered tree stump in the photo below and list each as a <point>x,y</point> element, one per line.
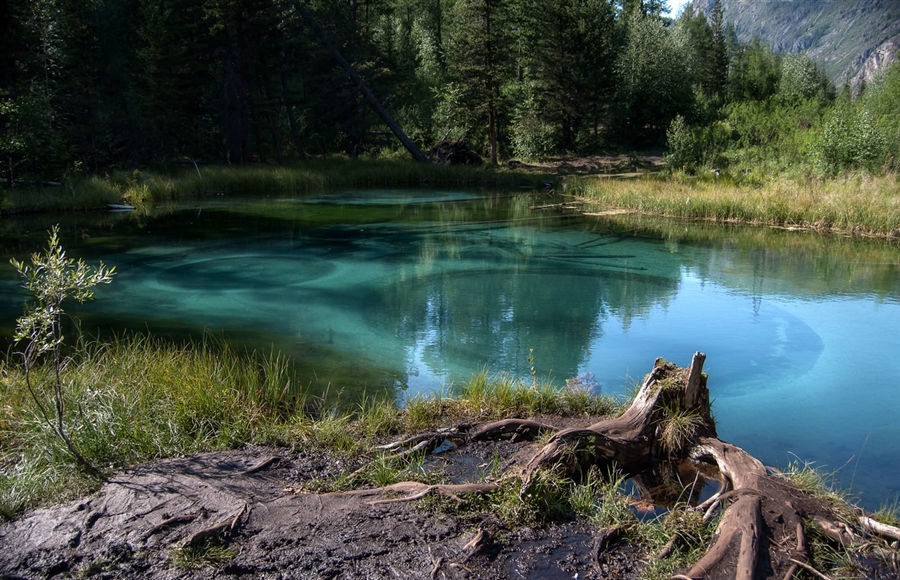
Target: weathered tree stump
<point>760,533</point>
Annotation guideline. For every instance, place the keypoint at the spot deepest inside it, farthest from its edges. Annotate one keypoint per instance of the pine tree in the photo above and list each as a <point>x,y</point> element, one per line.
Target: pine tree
<point>570,55</point>
<point>719,68</point>
<point>478,60</point>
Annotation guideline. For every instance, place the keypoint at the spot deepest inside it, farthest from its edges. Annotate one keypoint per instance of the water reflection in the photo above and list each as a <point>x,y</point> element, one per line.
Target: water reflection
<point>407,291</point>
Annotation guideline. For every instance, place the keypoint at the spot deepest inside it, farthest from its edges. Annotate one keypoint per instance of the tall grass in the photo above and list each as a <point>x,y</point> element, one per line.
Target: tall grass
<point>142,186</point>
<point>859,204</point>
<point>138,398</point>
<point>495,397</point>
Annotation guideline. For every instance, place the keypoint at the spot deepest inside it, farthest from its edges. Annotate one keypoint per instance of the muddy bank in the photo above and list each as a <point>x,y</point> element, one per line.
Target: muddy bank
<point>137,524</point>
<point>260,512</point>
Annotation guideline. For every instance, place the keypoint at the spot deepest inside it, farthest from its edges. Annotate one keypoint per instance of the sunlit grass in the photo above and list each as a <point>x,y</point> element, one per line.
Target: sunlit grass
<point>817,483</point>
<point>495,397</point>
<point>133,400</point>
<point>889,512</point>
<point>137,399</point>
<point>859,204</point>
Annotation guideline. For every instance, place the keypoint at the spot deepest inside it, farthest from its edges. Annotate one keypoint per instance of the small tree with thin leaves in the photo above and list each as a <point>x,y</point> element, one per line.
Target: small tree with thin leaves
<point>52,278</point>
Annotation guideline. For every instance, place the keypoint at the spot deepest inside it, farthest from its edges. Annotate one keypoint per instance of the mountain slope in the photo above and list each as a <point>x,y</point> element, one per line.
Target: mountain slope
<point>850,39</point>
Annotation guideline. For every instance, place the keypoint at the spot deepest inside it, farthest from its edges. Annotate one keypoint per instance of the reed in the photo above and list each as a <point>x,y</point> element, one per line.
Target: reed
<point>165,184</point>
<point>858,204</point>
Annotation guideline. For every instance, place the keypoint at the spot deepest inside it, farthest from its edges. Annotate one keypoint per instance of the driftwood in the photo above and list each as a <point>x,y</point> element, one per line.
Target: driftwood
<point>761,530</point>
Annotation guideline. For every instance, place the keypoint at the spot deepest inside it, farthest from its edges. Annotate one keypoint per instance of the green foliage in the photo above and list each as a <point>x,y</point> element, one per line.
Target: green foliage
<point>28,142</point>
<point>850,140</point>
<point>802,78</point>
<point>532,136</point>
<point>692,148</point>
<point>566,51</point>
<point>882,101</point>
<point>652,85</point>
<point>53,278</point>
<point>683,150</point>
<point>755,72</point>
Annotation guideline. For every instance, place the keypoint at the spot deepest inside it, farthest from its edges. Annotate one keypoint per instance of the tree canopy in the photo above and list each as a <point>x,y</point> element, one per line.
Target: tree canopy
<point>119,83</point>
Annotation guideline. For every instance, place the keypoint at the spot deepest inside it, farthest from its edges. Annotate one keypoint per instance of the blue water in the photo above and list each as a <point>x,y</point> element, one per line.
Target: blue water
<point>408,292</point>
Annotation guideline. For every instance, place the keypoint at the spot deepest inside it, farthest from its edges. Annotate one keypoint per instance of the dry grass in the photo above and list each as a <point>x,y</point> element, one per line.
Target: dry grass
<point>858,204</point>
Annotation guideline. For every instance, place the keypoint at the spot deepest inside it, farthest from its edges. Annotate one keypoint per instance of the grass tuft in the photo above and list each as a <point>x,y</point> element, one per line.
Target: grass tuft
<point>207,555</point>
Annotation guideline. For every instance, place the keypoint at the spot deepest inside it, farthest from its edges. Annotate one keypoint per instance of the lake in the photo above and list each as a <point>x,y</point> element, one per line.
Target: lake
<point>408,291</point>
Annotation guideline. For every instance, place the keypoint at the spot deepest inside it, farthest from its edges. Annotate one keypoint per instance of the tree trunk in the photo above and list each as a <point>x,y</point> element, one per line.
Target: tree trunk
<point>382,112</point>
<point>292,119</point>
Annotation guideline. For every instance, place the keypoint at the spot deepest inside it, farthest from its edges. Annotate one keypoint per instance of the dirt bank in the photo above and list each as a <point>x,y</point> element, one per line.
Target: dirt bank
<point>137,524</point>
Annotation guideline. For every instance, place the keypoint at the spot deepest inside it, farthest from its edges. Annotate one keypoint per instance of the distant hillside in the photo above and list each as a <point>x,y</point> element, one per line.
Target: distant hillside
<point>852,39</point>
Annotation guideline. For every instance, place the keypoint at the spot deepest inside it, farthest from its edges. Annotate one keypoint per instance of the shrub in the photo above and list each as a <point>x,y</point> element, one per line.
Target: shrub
<point>692,148</point>
<point>683,152</point>
<point>53,278</point>
<point>850,140</point>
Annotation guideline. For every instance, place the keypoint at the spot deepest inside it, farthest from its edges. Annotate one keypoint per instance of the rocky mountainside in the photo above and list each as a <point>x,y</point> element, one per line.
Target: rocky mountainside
<point>852,39</point>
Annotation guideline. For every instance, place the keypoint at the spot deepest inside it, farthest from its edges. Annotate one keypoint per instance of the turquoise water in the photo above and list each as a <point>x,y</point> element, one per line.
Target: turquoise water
<point>407,292</point>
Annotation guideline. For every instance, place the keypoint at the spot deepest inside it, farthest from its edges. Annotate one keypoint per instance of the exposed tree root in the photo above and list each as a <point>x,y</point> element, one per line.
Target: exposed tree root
<point>760,533</point>
<point>413,490</point>
<point>227,526</point>
<point>601,541</point>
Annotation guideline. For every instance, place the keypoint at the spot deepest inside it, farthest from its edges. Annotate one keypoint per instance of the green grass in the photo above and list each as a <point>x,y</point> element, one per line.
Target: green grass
<point>858,204</point>
<point>142,187</point>
<point>207,555</point>
<point>807,478</point>
<point>692,538</point>
<point>137,399</point>
<point>889,512</point>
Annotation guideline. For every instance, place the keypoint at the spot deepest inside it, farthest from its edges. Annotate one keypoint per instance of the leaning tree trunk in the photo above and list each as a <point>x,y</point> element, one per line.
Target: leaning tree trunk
<point>761,531</point>
<point>351,72</point>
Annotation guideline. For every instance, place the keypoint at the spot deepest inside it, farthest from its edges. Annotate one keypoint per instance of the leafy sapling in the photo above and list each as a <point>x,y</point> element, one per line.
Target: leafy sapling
<point>52,278</point>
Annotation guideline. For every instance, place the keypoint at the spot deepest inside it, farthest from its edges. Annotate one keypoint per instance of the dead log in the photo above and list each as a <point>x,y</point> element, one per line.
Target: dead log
<point>879,528</point>
<point>367,93</point>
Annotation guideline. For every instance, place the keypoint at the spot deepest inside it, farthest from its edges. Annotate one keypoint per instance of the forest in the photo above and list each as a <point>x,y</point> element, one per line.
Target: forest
<point>89,86</point>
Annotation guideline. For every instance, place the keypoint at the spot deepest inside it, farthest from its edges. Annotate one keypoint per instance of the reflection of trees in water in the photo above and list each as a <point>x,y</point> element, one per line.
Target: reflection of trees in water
<point>484,294</point>
<point>776,261</point>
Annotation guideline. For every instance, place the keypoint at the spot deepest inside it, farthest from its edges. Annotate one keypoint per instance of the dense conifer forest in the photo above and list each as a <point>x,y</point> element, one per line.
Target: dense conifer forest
<point>90,86</point>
